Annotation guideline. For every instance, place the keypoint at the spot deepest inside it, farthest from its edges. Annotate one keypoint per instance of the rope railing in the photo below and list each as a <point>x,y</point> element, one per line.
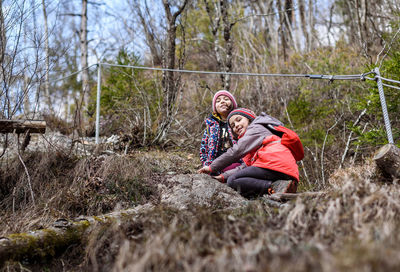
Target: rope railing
<point>378,78</point>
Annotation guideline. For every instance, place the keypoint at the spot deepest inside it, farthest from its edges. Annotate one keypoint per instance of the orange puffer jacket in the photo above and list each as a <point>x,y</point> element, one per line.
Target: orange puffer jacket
<point>259,147</point>
<point>275,156</point>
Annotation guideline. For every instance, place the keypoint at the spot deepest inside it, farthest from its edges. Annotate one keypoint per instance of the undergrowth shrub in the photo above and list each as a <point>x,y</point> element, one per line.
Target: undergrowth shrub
<point>130,101</point>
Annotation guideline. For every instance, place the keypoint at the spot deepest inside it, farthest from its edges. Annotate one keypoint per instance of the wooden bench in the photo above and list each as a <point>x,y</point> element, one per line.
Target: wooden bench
<point>22,126</point>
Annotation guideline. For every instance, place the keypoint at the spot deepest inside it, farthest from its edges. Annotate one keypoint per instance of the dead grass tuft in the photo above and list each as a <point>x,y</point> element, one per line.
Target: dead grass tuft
<point>66,186</point>
<point>353,227</point>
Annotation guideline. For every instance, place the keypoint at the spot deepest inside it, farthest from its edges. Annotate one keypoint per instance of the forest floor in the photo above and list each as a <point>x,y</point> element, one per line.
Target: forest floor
<point>352,227</point>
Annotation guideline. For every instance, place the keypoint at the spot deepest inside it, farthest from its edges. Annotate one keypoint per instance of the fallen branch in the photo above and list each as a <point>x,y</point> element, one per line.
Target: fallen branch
<point>289,196</point>
<point>273,203</point>
<point>47,243</point>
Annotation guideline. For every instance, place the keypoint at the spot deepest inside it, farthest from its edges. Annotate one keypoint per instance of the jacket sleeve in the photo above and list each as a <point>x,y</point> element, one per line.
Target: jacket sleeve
<point>204,147</point>
<point>251,140</point>
<point>230,172</point>
<point>212,144</point>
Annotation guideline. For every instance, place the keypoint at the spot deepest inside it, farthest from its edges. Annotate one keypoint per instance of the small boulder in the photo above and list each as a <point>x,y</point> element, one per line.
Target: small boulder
<point>184,191</point>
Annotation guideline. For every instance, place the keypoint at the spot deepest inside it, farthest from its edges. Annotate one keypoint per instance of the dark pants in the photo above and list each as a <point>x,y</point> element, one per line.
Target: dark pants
<point>254,181</point>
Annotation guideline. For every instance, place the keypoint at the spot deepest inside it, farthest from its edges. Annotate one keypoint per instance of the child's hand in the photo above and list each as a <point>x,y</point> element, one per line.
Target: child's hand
<point>205,170</point>
<point>220,178</point>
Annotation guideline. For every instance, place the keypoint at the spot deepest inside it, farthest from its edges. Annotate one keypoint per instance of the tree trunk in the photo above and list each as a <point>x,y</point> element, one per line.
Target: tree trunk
<point>311,23</point>
<point>220,23</point>
<point>170,83</point>
<point>149,34</point>
<point>228,43</point>
<point>84,64</point>
<point>47,60</point>
<point>353,33</point>
<point>302,12</point>
<point>387,158</point>
<point>282,30</point>
<point>3,40</point>
<point>290,22</point>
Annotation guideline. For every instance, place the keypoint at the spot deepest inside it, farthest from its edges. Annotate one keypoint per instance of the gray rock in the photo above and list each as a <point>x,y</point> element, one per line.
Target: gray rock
<point>183,191</point>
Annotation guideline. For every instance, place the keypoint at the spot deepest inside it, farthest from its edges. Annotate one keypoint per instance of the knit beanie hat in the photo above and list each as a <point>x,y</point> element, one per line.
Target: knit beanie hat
<point>249,114</point>
<point>226,93</point>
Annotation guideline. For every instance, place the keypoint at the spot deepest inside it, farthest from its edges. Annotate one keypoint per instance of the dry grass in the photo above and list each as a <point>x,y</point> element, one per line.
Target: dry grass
<point>351,228</point>
<point>66,187</point>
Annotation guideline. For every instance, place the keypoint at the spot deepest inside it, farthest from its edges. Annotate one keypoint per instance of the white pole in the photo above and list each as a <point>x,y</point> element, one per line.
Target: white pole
<point>384,109</point>
<point>98,102</point>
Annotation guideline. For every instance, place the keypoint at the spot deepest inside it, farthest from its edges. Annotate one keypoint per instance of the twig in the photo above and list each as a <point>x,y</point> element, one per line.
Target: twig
<point>355,153</point>
<point>26,171</point>
<point>349,138</point>
<point>13,201</point>
<point>323,148</point>
<point>383,49</point>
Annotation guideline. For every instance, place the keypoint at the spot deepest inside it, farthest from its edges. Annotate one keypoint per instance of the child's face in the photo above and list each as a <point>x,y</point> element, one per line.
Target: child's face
<point>223,105</point>
<point>239,124</point>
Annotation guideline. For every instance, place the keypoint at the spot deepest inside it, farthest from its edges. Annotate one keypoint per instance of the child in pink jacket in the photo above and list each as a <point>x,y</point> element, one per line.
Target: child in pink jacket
<point>217,137</point>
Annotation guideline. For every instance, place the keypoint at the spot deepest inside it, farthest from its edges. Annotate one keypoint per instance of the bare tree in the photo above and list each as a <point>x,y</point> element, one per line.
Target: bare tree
<point>170,82</point>
<point>311,26</point>
<point>302,15</point>
<point>221,26</point>
<point>17,70</point>
<point>83,39</point>
<point>149,31</point>
<point>47,56</point>
<point>82,102</point>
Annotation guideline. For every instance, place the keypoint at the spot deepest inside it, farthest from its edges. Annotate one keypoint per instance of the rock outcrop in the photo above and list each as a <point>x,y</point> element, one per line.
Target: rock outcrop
<point>183,191</point>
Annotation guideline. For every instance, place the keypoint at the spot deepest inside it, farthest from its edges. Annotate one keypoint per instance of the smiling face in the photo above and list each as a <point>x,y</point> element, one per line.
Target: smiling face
<point>223,105</point>
<point>238,124</point>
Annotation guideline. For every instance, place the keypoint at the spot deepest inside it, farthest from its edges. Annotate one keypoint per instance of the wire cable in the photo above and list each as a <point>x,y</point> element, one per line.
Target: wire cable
<point>391,86</point>
<point>390,80</point>
<point>311,76</point>
<point>77,72</point>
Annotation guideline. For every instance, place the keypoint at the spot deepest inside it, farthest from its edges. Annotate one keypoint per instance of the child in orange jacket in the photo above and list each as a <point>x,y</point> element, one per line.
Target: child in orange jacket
<point>265,158</point>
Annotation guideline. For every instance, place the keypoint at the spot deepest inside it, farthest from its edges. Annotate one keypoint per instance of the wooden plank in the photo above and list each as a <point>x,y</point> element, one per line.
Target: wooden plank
<point>22,126</point>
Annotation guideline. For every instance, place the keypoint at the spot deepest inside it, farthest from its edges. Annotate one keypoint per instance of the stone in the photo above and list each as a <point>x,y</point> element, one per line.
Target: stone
<point>184,191</point>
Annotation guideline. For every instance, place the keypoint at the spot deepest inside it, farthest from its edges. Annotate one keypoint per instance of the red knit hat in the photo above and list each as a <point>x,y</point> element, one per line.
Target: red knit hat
<point>226,93</point>
<point>249,114</point>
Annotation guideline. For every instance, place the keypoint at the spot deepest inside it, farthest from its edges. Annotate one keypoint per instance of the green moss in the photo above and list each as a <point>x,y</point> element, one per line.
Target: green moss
<point>45,243</point>
<point>98,219</point>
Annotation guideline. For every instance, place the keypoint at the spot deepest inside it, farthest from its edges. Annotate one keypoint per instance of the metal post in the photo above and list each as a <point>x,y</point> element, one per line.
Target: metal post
<point>98,102</point>
<point>384,109</point>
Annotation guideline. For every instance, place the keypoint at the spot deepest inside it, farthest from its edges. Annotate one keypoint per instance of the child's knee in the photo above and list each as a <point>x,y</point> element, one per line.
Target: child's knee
<point>231,182</point>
